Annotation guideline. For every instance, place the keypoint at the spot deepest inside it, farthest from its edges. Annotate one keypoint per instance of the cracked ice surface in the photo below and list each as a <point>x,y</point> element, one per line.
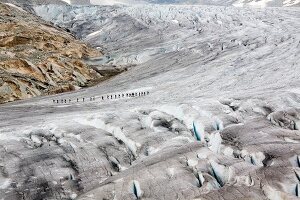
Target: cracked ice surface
<point>232,74</point>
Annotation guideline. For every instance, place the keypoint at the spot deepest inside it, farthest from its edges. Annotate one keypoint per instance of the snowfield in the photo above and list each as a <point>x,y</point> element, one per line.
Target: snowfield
<point>221,121</point>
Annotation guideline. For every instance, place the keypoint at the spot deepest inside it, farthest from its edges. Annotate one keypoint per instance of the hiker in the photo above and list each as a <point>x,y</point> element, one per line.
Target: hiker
<point>65,100</point>
<point>57,101</point>
<point>83,99</point>
<point>123,95</point>
<point>148,92</point>
<point>115,96</point>
<point>77,99</point>
<point>102,98</point>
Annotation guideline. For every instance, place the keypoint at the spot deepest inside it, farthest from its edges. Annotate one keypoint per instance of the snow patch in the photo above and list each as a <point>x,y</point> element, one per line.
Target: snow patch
<point>67,1</point>
<point>192,162</point>
<point>94,33</point>
<point>15,6</point>
<point>4,183</point>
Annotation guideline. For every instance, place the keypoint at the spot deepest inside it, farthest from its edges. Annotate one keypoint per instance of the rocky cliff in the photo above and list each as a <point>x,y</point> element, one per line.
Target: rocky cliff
<point>37,58</point>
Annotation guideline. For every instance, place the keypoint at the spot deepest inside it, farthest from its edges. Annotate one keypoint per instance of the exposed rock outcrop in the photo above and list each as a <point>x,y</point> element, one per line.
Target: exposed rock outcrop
<point>37,58</point>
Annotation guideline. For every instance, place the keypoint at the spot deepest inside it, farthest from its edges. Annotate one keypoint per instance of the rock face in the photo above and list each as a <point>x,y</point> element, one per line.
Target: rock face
<point>37,58</point>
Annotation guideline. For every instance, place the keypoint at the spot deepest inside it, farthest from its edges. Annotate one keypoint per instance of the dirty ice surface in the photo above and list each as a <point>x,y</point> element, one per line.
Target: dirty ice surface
<point>221,121</point>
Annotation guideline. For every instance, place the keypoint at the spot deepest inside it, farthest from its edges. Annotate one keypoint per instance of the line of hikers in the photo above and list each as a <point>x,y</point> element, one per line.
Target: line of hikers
<point>111,96</point>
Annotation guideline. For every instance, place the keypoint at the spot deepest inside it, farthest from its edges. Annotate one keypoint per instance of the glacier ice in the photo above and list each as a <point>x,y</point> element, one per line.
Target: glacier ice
<point>231,74</point>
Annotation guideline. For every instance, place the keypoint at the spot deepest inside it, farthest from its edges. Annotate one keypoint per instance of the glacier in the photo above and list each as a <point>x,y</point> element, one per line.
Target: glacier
<point>232,72</point>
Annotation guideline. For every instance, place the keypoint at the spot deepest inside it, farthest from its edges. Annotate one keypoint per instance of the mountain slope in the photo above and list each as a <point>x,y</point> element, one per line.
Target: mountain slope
<point>37,58</point>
